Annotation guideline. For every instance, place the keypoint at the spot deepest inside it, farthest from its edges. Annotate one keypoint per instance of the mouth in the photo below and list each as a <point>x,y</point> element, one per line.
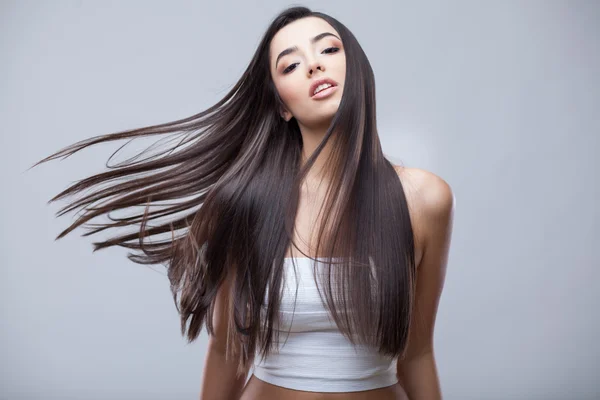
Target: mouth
<point>325,92</point>
<point>326,87</point>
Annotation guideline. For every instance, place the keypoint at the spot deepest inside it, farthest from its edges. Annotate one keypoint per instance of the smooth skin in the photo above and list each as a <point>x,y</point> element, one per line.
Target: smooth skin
<point>431,206</point>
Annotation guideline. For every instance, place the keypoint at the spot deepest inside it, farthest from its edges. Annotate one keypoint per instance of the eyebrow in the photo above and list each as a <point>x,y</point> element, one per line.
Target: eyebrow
<point>295,48</point>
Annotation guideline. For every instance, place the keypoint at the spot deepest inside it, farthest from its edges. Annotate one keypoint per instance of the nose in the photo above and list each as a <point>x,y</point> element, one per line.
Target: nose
<point>315,65</point>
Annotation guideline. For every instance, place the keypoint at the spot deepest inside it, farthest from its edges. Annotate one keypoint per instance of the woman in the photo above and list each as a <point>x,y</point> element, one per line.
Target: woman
<point>292,221</point>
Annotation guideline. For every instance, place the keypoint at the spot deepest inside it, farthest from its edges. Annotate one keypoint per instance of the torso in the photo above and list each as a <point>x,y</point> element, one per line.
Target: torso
<point>307,219</point>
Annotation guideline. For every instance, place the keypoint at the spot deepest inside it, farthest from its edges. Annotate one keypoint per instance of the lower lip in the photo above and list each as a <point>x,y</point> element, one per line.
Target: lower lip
<point>325,93</point>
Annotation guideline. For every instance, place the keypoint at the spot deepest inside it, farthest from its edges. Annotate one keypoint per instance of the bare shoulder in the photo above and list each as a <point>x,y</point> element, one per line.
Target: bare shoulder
<point>433,193</point>
<point>430,199</point>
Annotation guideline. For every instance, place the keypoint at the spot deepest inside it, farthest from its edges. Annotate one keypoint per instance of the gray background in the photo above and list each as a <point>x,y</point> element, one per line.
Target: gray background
<point>501,99</point>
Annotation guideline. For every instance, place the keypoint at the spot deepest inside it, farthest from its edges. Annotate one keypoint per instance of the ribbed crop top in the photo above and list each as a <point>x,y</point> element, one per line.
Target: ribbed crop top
<point>316,356</point>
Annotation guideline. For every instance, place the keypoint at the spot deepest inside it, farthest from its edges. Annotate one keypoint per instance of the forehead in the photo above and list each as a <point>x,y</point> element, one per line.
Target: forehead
<point>298,33</point>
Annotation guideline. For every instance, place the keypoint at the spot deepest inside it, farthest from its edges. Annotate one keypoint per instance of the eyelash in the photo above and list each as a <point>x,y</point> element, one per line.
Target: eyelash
<point>285,71</point>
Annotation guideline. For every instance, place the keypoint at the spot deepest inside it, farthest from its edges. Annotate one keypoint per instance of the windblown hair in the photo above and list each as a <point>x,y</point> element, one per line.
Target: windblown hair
<point>227,194</point>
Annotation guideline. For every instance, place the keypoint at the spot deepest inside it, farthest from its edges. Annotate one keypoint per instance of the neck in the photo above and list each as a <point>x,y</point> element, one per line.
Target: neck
<point>311,138</point>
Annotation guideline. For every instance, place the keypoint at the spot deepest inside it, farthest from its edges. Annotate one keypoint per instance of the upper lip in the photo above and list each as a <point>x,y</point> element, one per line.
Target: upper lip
<point>318,82</point>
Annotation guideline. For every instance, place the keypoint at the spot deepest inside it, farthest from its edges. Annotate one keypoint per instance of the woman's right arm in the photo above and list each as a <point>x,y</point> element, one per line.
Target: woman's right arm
<point>218,379</point>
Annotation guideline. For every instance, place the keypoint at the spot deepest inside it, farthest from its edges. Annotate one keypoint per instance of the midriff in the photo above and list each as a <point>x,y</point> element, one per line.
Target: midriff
<point>257,389</point>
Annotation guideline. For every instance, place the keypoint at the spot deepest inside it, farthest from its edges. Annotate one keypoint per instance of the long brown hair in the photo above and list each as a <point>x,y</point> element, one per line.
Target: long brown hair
<point>224,198</point>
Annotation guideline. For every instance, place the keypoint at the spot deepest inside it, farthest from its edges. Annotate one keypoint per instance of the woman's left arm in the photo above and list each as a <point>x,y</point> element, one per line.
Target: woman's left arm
<point>434,204</point>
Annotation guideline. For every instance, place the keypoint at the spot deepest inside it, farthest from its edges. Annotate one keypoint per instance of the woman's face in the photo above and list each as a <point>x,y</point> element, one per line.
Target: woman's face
<point>297,61</point>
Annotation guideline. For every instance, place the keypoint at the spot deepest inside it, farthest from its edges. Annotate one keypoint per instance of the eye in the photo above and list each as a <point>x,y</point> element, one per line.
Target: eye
<point>329,50</point>
<point>289,69</point>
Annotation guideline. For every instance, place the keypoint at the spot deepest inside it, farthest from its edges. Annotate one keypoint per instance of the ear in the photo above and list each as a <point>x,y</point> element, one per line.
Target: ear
<point>286,115</point>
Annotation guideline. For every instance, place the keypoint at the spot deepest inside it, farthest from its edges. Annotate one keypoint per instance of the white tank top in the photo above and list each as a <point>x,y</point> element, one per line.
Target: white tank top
<point>316,356</point>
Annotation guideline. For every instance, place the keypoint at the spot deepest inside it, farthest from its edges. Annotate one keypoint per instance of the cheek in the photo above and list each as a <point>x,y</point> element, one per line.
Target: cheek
<point>290,93</point>
<point>341,71</point>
